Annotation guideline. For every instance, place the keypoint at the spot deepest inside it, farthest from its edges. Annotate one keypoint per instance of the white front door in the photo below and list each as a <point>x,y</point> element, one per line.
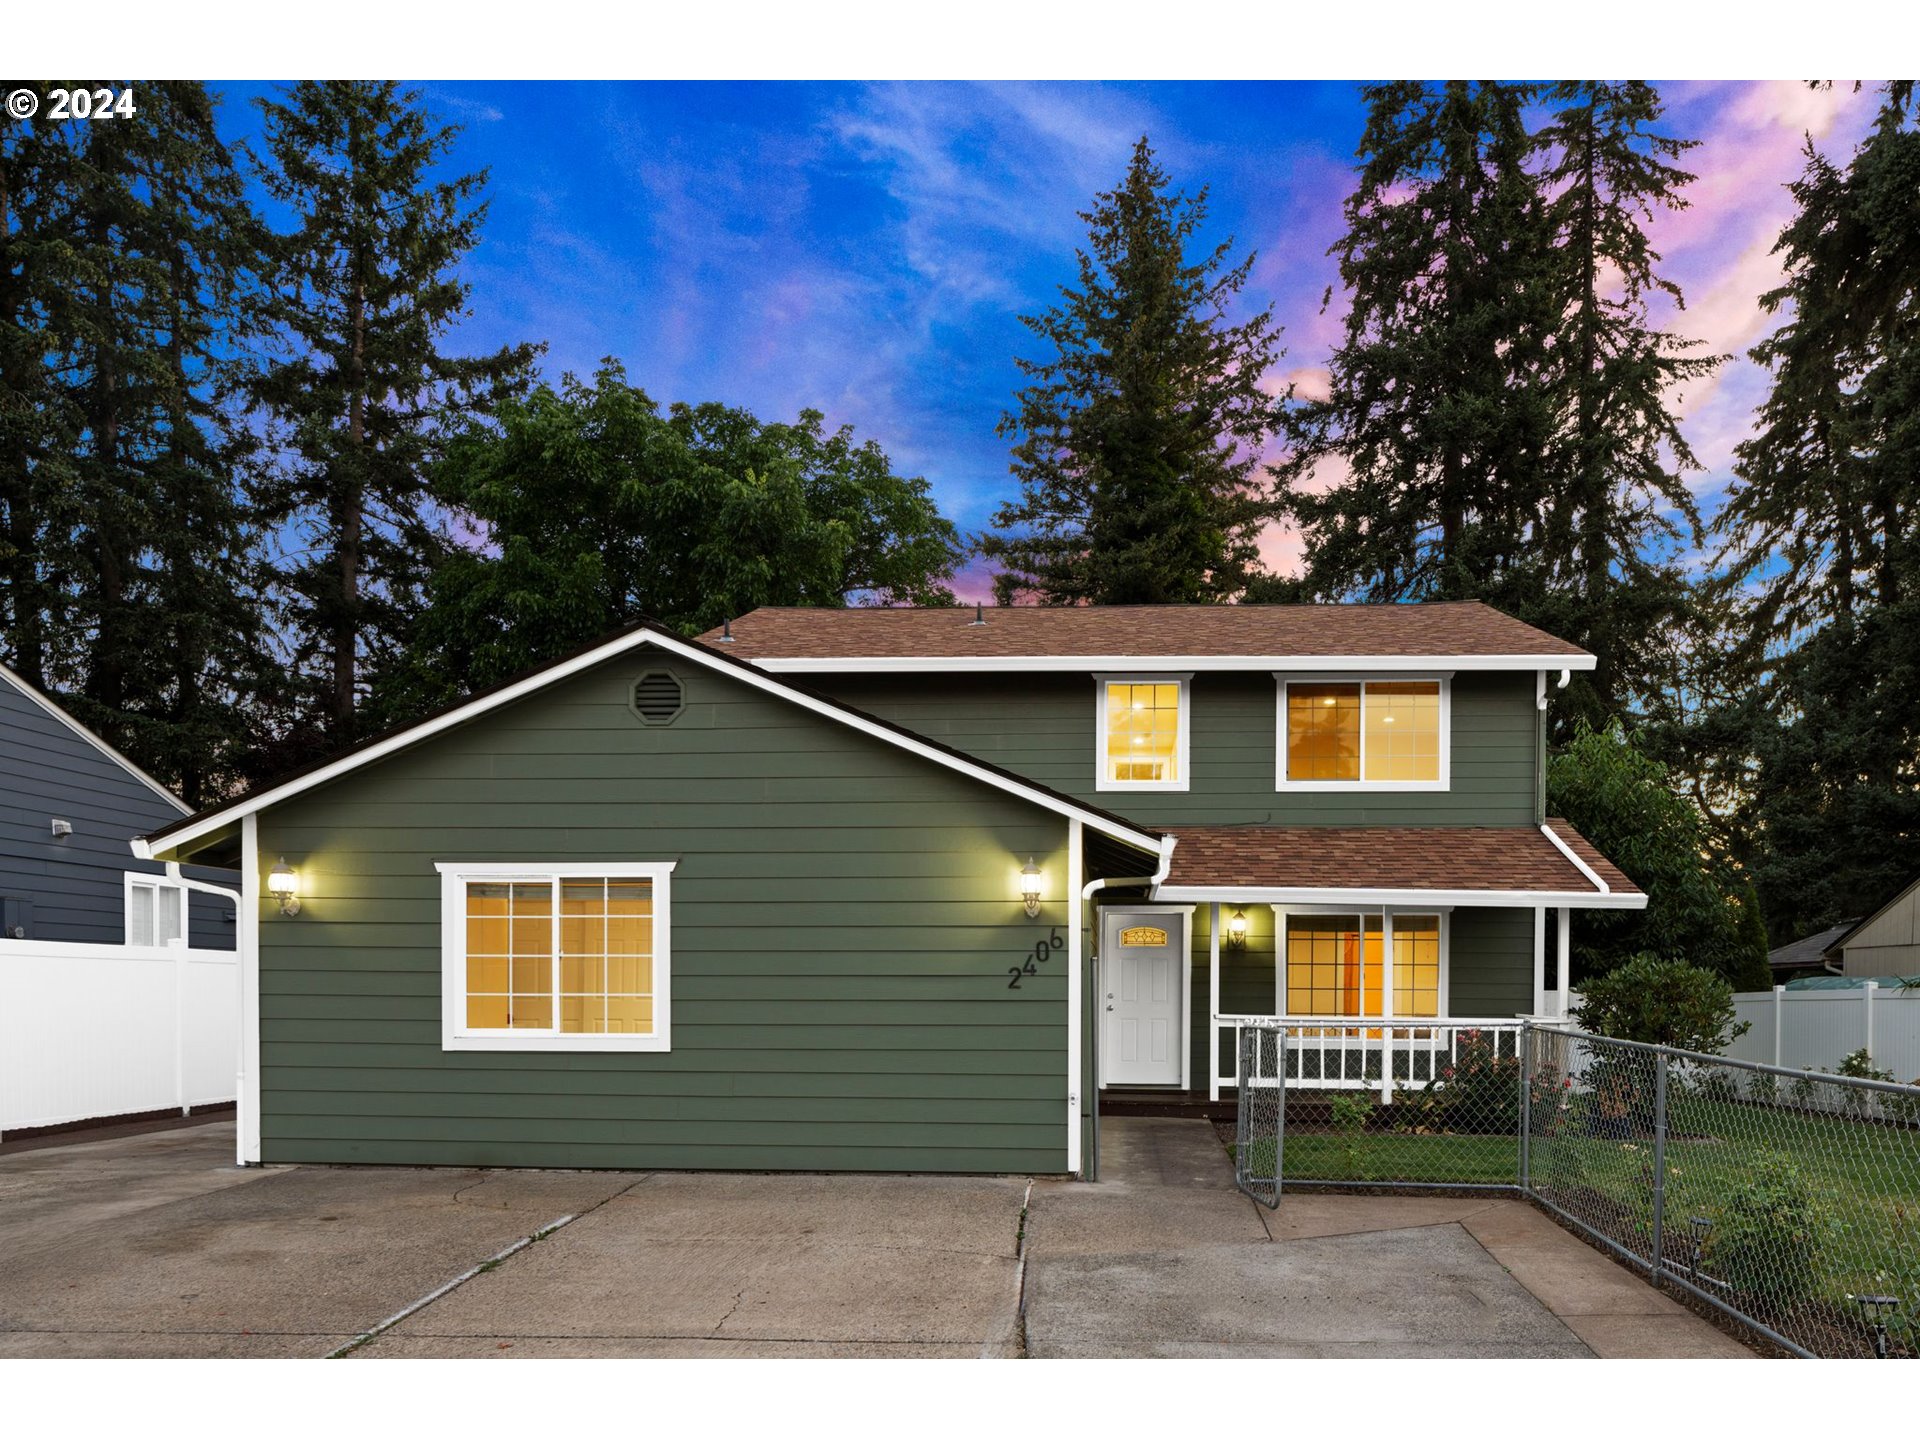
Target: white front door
<point>1143,973</point>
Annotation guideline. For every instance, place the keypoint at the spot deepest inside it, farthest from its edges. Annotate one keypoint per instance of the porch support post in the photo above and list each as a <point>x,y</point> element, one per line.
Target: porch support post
<point>1566,961</point>
<point>1076,907</point>
<point>1539,959</point>
<point>246,1086</point>
<point>1212,1029</point>
<point>1386,999</point>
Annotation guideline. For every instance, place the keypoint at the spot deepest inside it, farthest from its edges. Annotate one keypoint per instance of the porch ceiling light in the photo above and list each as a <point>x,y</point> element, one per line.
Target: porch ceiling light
<point>283,883</point>
<point>1030,887</point>
<point>1237,930</point>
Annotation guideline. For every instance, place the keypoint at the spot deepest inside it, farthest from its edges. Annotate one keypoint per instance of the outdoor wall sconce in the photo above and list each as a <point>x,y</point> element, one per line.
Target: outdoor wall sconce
<point>283,883</point>
<point>1030,887</point>
<point>1237,930</point>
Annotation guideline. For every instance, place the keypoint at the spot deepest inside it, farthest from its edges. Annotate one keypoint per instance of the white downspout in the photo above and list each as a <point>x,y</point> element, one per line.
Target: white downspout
<point>246,1095</point>
<point>180,962</point>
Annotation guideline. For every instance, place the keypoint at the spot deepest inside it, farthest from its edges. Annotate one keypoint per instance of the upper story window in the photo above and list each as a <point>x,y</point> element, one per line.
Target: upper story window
<point>1338,734</point>
<point>557,957</point>
<point>156,912</point>
<point>1142,732</point>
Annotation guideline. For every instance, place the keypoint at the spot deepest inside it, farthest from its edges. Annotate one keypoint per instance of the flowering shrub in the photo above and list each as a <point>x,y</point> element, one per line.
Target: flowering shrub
<point>1479,1092</point>
<point>1767,1239</point>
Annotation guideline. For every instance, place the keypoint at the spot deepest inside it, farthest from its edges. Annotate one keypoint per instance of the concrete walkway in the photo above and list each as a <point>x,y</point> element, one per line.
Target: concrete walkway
<point>1164,1257</point>
<point>158,1245</point>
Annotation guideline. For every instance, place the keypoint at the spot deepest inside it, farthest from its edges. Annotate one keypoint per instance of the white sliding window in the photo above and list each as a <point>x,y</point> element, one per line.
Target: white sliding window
<point>561,957</point>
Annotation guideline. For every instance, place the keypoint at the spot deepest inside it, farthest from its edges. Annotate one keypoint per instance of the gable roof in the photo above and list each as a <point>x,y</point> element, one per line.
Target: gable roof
<point>1855,927</point>
<point>1809,950</point>
<point>1461,635</point>
<point>644,634</point>
<point>92,739</point>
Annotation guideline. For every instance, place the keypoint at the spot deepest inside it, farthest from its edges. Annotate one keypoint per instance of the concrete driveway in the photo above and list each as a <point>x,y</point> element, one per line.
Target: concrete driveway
<point>1165,1257</point>
<point>156,1244</point>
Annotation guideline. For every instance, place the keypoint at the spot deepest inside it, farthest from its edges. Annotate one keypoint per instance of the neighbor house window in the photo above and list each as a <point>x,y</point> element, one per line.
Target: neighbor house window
<point>1142,728</point>
<point>1335,965</point>
<point>156,912</point>
<point>572,957</point>
<point>1386,733</point>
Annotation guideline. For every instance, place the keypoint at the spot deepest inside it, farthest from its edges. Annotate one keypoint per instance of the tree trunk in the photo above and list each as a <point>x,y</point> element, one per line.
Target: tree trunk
<point>1594,489</point>
<point>352,517</point>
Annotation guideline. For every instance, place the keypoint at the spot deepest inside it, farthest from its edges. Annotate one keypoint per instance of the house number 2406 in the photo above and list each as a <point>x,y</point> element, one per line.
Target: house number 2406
<point>1042,952</point>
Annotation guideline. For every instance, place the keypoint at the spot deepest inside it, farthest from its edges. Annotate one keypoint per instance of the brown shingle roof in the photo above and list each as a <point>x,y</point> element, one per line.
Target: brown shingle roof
<point>1343,857</point>
<point>1452,628</point>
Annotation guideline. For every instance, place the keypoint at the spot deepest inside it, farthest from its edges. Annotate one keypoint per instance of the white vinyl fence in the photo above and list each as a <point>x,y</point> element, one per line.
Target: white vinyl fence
<point>1817,1029</point>
<point>91,1031</point>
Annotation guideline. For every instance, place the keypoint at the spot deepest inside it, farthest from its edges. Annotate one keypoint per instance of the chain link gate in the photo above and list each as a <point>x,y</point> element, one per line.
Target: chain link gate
<point>1261,1114</point>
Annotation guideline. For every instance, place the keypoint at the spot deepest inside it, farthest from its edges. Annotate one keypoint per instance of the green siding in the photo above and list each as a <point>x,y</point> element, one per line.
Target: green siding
<point>1042,726</point>
<point>1492,971</point>
<point>844,916</point>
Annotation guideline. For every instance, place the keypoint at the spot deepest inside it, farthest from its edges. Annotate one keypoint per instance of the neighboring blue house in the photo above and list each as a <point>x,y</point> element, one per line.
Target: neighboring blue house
<point>69,805</point>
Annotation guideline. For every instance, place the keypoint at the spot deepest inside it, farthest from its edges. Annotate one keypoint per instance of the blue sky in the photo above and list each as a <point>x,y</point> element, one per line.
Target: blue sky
<point>867,249</point>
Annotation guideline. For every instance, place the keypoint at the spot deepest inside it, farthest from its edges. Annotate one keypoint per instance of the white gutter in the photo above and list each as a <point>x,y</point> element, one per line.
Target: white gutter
<point>173,874</point>
<point>1081,664</point>
<point>1326,895</point>
<point>1578,864</point>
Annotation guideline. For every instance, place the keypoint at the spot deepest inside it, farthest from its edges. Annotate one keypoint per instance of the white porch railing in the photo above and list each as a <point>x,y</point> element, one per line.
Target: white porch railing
<point>1339,1052</point>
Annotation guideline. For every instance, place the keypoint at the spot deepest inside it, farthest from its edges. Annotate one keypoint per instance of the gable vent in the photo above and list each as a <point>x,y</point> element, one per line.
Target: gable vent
<point>658,697</point>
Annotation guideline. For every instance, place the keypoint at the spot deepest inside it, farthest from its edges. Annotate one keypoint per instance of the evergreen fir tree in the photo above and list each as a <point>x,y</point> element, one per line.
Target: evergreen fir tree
<point>365,389</point>
<point>142,619</point>
<point>1437,410</point>
<point>1820,537</point>
<point>1823,517</point>
<point>39,431</point>
<point>1615,497</point>
<point>1138,440</point>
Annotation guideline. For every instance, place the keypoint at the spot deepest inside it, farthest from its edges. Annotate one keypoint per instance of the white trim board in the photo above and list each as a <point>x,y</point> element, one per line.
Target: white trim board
<point>94,740</point>
<point>145,846</point>
<point>1009,664</point>
<point>1281,781</point>
<point>1184,990</point>
<point>1183,737</point>
<point>454,1034</point>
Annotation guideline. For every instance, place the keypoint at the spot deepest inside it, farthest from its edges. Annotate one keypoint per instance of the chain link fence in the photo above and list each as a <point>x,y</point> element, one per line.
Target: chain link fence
<point>1790,1199</point>
<point>1787,1199</point>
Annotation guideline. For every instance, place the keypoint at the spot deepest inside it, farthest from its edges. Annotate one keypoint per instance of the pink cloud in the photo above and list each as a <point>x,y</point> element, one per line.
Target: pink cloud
<point>1720,249</point>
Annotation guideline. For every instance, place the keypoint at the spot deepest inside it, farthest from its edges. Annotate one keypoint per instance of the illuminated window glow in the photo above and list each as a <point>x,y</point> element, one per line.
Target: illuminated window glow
<point>1142,742</point>
<point>1334,965</point>
<point>573,959</point>
<point>1382,732</point>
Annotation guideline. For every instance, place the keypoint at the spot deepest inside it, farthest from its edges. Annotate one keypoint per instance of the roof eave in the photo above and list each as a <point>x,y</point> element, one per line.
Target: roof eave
<point>1401,896</point>
<point>1002,664</point>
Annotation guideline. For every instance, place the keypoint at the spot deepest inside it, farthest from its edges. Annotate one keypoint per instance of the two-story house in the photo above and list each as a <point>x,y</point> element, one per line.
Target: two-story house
<point>896,889</point>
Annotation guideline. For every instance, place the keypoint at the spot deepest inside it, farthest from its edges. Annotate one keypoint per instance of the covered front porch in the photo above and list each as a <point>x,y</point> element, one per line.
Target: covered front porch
<point>1383,953</point>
